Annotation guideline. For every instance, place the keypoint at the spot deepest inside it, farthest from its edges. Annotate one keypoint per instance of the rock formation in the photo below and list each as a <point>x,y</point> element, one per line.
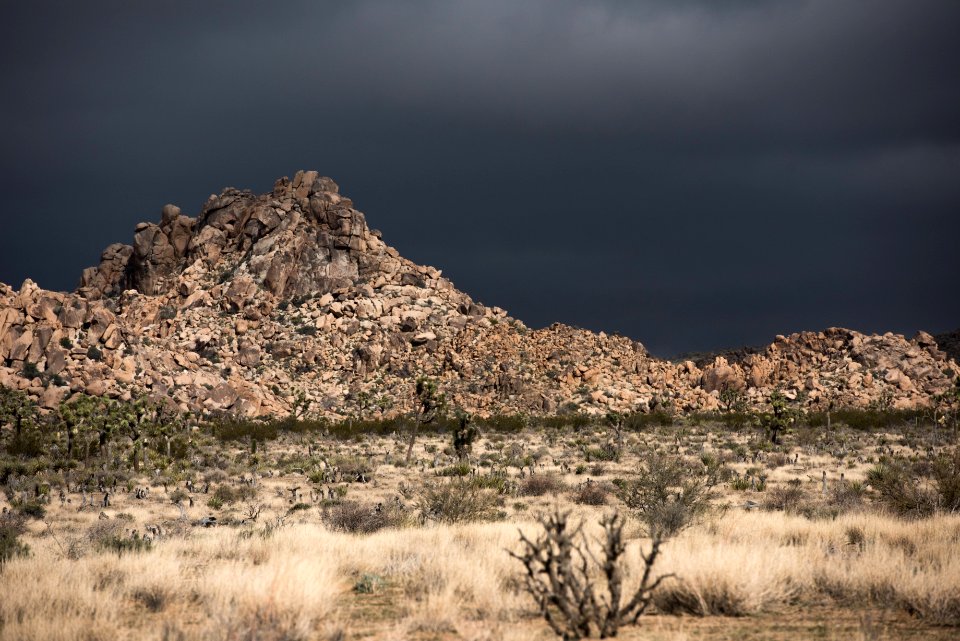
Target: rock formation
<point>261,298</point>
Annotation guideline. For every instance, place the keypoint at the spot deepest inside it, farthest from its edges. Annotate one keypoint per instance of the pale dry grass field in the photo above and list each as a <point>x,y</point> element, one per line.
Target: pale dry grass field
<point>291,574</point>
<point>302,581</point>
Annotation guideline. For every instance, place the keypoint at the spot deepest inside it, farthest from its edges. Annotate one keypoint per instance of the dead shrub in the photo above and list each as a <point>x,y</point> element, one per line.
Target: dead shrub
<point>540,484</point>
<point>154,597</point>
<point>355,517</point>
<point>716,598</point>
<point>787,498</point>
<point>561,574</point>
<point>591,494</point>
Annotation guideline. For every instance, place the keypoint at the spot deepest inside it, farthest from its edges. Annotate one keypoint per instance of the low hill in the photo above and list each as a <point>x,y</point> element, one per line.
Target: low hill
<point>260,302</point>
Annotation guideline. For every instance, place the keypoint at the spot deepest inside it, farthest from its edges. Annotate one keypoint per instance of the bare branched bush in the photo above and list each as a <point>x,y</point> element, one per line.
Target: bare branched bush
<point>562,577</point>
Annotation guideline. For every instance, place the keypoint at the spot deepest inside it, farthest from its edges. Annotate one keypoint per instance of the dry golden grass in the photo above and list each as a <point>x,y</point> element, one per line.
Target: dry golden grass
<point>457,581</point>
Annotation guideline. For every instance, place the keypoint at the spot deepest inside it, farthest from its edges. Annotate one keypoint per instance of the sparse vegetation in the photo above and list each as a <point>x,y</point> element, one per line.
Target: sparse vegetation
<point>824,516</point>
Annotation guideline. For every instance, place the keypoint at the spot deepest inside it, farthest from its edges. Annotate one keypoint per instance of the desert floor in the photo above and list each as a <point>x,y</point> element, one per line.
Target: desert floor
<point>302,549</point>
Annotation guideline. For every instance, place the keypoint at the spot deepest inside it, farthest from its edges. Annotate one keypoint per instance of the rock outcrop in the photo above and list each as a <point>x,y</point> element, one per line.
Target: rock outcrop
<point>261,298</point>
<point>949,343</point>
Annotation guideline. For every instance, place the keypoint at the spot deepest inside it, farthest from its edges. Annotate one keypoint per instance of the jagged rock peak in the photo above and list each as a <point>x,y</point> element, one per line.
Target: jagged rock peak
<point>304,238</point>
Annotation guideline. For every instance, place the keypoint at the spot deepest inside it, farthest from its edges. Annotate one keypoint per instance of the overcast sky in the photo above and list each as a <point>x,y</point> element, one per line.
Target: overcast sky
<point>693,174</point>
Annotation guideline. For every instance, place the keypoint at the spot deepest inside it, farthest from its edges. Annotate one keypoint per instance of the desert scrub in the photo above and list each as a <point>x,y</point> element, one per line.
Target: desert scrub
<point>667,495</point>
<point>540,484</point>
<point>11,547</point>
<point>592,494</point>
<point>359,518</point>
<point>457,501</point>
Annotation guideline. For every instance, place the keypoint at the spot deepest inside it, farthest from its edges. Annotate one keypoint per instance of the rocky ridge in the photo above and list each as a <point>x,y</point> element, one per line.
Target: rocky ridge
<point>260,299</point>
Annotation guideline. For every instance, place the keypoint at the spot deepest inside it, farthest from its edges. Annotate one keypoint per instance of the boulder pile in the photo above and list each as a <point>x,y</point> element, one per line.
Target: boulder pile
<point>261,300</point>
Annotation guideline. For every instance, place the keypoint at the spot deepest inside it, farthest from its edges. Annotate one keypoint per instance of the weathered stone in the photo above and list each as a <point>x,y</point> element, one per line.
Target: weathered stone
<point>248,354</point>
<point>722,376</point>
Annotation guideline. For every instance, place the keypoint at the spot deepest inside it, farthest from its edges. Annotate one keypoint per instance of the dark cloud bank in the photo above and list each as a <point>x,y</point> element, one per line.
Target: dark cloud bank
<point>692,174</point>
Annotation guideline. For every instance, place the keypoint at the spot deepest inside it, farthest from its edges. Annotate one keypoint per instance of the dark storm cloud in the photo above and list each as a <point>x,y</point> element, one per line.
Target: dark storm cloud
<point>692,174</point>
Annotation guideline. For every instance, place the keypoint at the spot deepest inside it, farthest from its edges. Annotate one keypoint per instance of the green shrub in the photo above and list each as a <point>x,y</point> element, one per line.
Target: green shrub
<point>121,545</point>
<point>946,481</point>
<point>788,498</point>
<point>368,584</point>
<point>94,353</point>
<point>496,482</point>
<point>573,419</point>
<point>866,419</point>
<point>847,495</point>
<point>460,469</point>
<point>30,370</point>
<point>898,491</point>
<point>457,501</point>
<point>66,343</point>
<point>666,494</point>
<point>236,430</point>
<point>10,545</point>
<point>352,466</point>
<point>227,494</point>
<point>638,422</point>
<point>606,452</point>
<point>112,536</point>
<point>33,509</point>
<point>505,423</point>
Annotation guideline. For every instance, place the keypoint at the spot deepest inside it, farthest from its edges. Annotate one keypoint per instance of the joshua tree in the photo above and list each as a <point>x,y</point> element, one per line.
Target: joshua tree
<point>615,421</point>
<point>16,409</point>
<point>430,406</point>
<point>464,435</point>
<point>79,415</point>
<point>781,416</point>
<point>732,400</point>
<point>301,405</point>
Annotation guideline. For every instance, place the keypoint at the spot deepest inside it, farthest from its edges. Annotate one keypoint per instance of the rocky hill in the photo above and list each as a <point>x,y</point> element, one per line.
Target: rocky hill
<point>949,342</point>
<point>261,299</point>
